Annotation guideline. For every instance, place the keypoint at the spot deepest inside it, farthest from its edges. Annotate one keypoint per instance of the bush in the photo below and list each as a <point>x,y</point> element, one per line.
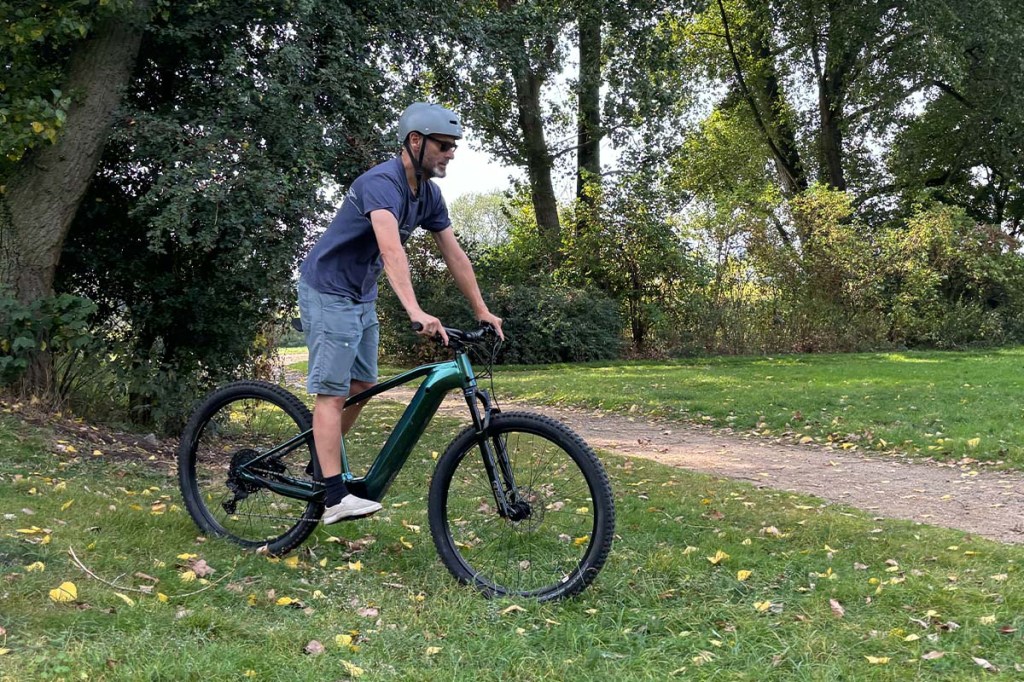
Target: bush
<point>544,321</point>
<point>58,325</point>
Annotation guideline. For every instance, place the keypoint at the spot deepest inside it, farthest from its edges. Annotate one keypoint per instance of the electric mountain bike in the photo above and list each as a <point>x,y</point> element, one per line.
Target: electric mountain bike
<point>518,503</point>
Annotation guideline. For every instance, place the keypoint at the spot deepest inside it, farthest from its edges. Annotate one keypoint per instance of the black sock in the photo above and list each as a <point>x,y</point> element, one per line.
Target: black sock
<point>336,489</point>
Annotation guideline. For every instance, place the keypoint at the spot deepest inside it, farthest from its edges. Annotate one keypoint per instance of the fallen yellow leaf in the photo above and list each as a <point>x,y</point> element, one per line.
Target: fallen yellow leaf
<point>743,575</point>
<point>67,505</point>
<point>343,640</point>
<point>582,540</point>
<point>126,599</point>
<point>877,660</point>
<point>762,606</point>
<point>719,557</point>
<point>355,565</point>
<point>352,669</point>
<point>187,576</point>
<point>161,596</point>
<point>65,593</point>
<point>292,561</point>
<point>432,650</point>
<point>35,566</point>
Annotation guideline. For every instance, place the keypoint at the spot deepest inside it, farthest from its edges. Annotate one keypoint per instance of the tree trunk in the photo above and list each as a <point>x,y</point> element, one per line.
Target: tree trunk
<point>785,153</point>
<point>43,195</point>
<point>538,159</point>
<point>589,98</point>
<point>830,133</point>
<point>528,82</point>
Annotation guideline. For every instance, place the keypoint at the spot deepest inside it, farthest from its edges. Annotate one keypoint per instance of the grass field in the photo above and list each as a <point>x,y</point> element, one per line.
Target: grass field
<point>708,580</point>
<point>944,405</point>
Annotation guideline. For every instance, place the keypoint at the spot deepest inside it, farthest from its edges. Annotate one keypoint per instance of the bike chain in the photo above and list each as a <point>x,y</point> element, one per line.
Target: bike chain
<point>276,518</point>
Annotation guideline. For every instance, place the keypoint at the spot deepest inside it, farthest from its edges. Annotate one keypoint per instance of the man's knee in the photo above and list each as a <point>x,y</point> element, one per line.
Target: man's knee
<point>334,403</point>
<point>357,386</point>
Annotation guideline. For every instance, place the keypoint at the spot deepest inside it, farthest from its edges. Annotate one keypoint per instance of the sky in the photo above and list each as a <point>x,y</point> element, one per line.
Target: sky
<point>473,171</point>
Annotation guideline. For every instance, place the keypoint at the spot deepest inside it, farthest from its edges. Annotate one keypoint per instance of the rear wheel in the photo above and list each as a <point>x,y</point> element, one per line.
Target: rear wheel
<point>560,531</point>
<point>233,426</point>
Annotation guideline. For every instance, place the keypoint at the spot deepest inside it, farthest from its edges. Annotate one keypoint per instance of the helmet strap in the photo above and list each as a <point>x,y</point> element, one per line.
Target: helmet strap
<point>417,161</point>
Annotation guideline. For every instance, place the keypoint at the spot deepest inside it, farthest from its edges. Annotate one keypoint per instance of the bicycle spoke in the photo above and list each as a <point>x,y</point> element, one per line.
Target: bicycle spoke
<point>233,430</point>
<point>544,547</point>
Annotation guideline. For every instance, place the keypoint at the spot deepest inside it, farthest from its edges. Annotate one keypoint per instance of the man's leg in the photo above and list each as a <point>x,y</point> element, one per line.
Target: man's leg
<point>351,414</point>
<point>327,428</point>
<point>333,330</point>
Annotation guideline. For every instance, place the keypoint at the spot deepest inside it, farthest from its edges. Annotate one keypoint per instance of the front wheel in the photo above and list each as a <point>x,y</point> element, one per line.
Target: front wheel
<point>227,432</point>
<point>560,532</point>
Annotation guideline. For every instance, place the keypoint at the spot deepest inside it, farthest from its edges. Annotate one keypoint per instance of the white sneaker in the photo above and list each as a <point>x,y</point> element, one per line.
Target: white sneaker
<point>349,506</point>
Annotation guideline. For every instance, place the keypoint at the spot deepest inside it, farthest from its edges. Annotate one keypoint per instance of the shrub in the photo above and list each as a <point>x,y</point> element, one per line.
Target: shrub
<point>58,325</point>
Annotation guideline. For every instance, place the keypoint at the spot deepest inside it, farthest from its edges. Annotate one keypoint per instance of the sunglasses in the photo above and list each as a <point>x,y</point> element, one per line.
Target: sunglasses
<point>443,146</point>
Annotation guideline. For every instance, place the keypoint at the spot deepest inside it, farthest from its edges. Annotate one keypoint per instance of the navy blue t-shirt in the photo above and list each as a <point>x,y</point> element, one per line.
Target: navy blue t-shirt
<point>346,259</point>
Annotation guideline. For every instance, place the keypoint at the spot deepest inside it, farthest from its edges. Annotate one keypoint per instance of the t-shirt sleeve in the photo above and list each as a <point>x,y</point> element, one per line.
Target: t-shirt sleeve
<point>438,219</point>
<point>379,192</point>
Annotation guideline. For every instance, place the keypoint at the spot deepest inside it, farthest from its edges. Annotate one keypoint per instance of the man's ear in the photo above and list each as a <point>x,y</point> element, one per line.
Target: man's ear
<point>415,140</point>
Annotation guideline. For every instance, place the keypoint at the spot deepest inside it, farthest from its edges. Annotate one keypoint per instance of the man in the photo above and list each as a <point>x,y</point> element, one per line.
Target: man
<point>338,282</point>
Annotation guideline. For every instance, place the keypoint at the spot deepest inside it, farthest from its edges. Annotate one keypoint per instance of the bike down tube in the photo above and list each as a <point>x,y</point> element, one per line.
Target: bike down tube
<point>440,379</point>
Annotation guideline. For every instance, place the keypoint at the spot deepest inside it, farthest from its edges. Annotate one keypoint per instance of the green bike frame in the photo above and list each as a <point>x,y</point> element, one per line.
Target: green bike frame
<point>441,378</point>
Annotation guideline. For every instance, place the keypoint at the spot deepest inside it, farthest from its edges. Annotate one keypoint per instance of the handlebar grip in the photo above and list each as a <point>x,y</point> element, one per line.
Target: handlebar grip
<point>416,326</point>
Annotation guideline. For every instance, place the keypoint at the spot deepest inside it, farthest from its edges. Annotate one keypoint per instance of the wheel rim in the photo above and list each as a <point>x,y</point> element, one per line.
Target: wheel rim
<point>234,434</point>
<point>544,550</point>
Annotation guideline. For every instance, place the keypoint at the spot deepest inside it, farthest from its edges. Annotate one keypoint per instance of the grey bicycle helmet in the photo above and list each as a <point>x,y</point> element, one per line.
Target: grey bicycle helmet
<point>428,119</point>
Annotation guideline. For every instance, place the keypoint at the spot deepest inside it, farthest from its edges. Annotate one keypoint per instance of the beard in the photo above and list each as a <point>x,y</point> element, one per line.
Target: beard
<point>436,171</point>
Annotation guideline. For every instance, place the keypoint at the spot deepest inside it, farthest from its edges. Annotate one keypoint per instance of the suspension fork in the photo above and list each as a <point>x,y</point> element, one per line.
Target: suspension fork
<point>492,451</point>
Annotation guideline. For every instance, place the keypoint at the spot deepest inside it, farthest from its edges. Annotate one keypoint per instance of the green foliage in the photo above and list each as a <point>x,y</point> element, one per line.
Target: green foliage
<point>482,218</point>
<point>955,282</point>
<point>34,44</point>
<point>58,324</point>
<point>213,184</point>
<point>625,245</point>
<point>544,320</point>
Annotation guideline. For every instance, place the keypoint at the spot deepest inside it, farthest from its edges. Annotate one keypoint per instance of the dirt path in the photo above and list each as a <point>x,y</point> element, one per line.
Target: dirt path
<point>985,502</point>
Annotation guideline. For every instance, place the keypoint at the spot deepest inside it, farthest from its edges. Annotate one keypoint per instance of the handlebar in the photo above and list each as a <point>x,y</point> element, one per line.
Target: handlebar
<point>459,337</point>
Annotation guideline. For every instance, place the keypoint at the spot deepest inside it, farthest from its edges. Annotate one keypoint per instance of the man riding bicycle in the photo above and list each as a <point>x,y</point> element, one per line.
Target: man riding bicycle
<point>338,282</point>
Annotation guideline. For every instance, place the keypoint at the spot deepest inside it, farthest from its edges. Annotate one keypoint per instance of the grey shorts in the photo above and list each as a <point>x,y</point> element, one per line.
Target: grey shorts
<point>342,337</point>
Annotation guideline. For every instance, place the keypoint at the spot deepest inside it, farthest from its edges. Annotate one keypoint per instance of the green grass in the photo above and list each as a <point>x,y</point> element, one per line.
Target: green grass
<point>656,612</point>
<point>946,405</point>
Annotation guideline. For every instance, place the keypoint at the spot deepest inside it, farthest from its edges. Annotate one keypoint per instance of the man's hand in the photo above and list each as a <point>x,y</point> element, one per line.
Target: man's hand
<point>428,325</point>
<point>494,321</point>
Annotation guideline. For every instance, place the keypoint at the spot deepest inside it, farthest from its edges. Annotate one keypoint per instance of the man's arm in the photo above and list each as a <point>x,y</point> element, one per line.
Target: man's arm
<point>396,266</point>
<point>462,270</point>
